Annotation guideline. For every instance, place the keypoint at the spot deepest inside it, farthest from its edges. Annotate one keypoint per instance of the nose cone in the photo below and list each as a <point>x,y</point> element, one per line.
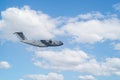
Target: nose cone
<point>61,43</point>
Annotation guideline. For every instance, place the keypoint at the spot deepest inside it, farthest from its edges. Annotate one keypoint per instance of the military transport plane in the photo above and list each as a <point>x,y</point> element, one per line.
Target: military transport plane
<point>39,43</point>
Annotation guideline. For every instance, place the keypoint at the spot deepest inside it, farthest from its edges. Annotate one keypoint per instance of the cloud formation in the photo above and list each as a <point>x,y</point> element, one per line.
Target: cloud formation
<point>85,28</point>
<point>34,24</point>
<point>62,59</point>
<point>77,60</point>
<point>87,77</point>
<point>50,76</point>
<point>4,65</point>
<point>93,27</point>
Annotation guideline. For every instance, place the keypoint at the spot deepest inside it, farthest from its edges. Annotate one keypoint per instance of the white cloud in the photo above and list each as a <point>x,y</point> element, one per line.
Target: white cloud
<point>87,77</point>
<point>4,65</point>
<point>61,60</point>
<point>95,28</point>
<point>34,24</point>
<point>50,76</point>
<point>117,6</point>
<point>92,15</point>
<point>76,60</point>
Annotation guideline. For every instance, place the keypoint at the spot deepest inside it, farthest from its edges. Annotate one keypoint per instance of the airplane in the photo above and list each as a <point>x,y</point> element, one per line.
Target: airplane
<point>39,43</point>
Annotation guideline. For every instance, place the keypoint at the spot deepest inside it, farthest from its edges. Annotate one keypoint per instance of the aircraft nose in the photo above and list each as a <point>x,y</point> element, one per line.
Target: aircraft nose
<point>61,43</point>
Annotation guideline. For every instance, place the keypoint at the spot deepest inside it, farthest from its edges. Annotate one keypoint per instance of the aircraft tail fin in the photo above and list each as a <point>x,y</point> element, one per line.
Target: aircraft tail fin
<point>20,35</point>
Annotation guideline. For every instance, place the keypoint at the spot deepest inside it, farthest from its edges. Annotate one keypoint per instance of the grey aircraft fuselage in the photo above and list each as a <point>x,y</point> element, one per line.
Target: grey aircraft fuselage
<point>40,43</point>
<point>43,43</point>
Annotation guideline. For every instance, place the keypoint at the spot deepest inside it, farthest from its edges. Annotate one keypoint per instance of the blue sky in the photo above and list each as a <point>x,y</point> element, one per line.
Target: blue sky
<point>89,29</point>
